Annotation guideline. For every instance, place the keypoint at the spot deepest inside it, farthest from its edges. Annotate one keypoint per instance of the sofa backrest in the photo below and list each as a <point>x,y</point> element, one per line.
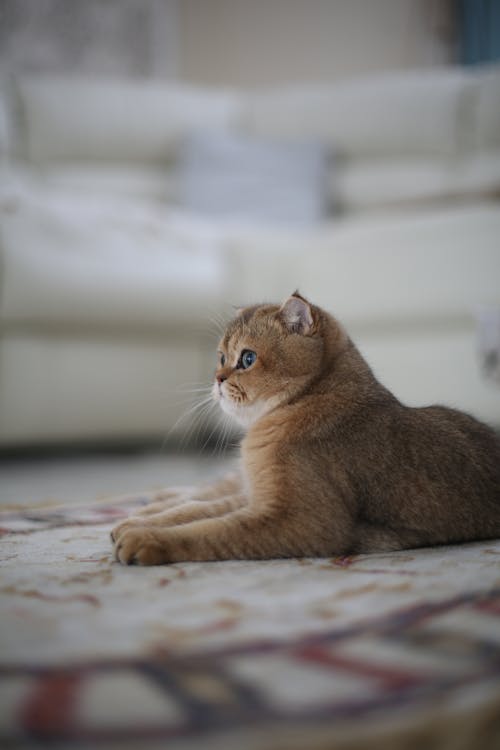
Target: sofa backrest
<point>422,113</point>
<point>115,120</point>
<point>399,137</point>
<point>404,113</point>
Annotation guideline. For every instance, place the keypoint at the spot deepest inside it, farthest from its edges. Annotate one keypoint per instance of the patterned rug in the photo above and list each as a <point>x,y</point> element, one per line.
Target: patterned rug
<point>399,650</point>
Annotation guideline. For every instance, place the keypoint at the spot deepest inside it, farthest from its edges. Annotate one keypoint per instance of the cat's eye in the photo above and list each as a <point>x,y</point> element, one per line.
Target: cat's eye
<point>222,359</point>
<point>247,358</point>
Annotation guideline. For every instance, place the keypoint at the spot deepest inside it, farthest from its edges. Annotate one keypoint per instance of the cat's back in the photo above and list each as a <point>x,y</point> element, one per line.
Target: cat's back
<point>429,468</point>
<point>458,434</point>
<point>444,473</point>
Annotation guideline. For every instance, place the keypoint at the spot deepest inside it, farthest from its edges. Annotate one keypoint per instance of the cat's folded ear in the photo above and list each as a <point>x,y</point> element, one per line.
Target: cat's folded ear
<point>296,314</point>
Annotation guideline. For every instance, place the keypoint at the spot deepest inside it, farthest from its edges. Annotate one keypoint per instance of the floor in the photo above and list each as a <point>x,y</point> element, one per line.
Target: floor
<point>394,650</point>
<point>371,651</point>
<point>61,479</point>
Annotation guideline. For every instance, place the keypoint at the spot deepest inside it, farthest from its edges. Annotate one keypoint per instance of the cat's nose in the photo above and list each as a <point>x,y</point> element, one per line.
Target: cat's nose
<point>220,377</point>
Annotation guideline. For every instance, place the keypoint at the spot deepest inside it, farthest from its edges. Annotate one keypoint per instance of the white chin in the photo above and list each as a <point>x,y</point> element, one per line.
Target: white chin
<point>246,415</point>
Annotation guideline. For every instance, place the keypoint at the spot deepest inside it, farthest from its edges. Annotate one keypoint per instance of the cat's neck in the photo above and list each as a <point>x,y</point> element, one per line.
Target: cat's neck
<point>344,385</point>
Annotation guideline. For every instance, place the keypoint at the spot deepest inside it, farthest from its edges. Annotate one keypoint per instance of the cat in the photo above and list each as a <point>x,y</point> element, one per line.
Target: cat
<point>332,463</point>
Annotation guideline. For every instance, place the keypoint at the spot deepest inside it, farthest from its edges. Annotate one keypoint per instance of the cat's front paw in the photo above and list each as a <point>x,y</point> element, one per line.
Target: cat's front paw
<point>139,545</point>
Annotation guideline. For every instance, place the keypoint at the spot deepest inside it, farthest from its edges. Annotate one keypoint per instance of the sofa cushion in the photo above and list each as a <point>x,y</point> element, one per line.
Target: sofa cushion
<point>69,118</point>
<point>132,180</point>
<point>73,260</point>
<point>381,272</point>
<point>254,179</point>
<point>396,113</point>
<point>372,184</point>
<point>359,185</point>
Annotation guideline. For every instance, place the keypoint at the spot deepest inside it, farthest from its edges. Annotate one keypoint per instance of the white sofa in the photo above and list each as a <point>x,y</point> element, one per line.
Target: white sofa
<point>110,288</point>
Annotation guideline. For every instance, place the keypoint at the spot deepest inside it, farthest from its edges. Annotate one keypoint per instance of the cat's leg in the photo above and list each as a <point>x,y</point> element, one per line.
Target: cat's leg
<point>371,538</point>
<point>237,535</point>
<point>194,510</point>
<point>244,534</point>
<point>275,521</point>
<point>178,496</point>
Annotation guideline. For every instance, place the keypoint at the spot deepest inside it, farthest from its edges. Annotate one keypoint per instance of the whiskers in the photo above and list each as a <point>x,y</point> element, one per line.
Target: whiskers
<point>223,431</point>
<point>213,328</point>
<point>218,323</point>
<point>201,423</point>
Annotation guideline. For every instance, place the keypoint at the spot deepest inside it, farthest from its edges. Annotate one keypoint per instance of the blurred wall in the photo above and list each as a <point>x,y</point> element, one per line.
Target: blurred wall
<point>267,42</point>
<point>234,42</point>
<point>136,38</point>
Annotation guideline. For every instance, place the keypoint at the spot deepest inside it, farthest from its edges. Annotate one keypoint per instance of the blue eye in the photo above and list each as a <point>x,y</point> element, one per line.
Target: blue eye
<point>247,358</point>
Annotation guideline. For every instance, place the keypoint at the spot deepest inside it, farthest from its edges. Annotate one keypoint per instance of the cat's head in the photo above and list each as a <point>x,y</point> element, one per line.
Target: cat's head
<point>267,356</point>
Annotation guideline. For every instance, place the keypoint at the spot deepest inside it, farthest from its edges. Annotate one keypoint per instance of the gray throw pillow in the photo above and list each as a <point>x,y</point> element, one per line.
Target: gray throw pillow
<point>258,180</point>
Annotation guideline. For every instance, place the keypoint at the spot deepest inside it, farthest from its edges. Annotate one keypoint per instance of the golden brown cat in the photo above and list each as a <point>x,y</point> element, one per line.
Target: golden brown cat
<point>331,464</point>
